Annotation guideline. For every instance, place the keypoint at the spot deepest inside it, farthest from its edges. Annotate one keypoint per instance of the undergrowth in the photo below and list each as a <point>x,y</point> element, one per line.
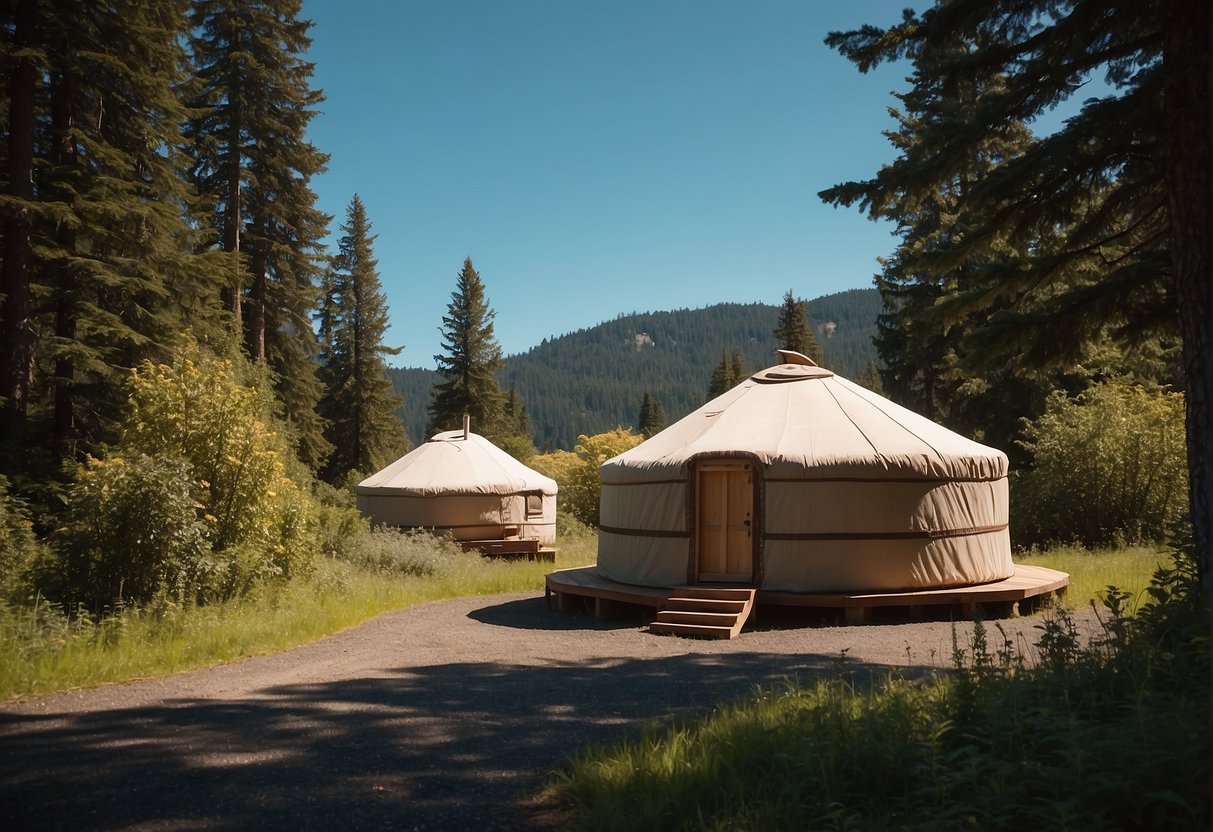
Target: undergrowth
<point>46,647</point>
<point>1106,733</point>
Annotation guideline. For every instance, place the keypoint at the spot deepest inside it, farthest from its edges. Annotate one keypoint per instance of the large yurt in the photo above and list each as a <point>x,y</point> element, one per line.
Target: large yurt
<point>462,483</point>
<point>798,480</point>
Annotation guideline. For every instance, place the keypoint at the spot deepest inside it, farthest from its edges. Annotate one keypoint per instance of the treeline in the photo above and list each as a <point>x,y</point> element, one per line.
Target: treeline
<point>157,181</point>
<point>595,379</point>
<point>183,363</point>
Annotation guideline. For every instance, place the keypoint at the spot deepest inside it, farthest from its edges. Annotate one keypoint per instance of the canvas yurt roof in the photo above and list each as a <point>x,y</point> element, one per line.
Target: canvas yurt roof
<point>456,462</point>
<point>804,422</point>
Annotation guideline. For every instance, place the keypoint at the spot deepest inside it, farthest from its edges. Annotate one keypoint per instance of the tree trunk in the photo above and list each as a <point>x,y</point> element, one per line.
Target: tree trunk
<point>16,315</point>
<point>254,330</point>
<point>1186,114</point>
<point>63,428</point>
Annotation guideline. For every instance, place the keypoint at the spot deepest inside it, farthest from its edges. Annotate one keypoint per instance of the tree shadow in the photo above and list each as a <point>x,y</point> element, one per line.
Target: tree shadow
<point>460,746</point>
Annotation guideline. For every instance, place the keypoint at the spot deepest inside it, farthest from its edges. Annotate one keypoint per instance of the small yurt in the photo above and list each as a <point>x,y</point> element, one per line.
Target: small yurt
<point>460,482</point>
<point>798,480</point>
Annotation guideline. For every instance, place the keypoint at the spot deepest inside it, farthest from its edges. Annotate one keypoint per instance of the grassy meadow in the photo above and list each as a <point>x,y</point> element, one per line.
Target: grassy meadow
<point>1109,735</point>
<point>42,649</point>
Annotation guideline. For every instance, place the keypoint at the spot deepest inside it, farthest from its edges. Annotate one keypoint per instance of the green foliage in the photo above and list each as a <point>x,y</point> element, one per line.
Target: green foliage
<point>1108,466</point>
<point>1026,262</point>
<point>358,402</point>
<point>652,418</point>
<point>1107,734</point>
<point>392,552</point>
<point>793,331</point>
<point>195,502</point>
<point>576,473</point>
<point>470,362</point>
<point>20,548</point>
<point>132,532</point>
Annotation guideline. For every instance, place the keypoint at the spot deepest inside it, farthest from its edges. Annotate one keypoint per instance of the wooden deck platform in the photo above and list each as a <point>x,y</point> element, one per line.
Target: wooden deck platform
<point>512,548</point>
<point>1026,588</point>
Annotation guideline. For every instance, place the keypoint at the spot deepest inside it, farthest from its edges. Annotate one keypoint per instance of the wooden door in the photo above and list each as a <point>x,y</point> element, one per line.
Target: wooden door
<point>725,521</point>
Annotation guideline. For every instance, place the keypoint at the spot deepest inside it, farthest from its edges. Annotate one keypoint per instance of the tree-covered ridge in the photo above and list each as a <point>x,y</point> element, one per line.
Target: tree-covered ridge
<point>594,379</point>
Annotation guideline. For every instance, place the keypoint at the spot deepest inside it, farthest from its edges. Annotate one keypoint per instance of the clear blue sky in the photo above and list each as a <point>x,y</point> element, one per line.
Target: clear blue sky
<point>598,158</point>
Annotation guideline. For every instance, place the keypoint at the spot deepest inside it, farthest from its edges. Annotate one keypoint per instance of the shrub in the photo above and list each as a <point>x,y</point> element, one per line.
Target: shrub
<point>1109,467</point>
<point>20,548</point>
<point>577,473</point>
<point>132,531</point>
<point>198,410</point>
<point>195,502</point>
<point>388,551</point>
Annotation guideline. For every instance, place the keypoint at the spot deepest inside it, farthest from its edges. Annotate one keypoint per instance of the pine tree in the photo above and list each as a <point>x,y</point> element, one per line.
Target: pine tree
<point>253,161</point>
<point>1106,221</point>
<point>470,362</point>
<point>722,379</point>
<point>104,231</point>
<point>793,332</point>
<point>738,369</point>
<point>652,418</point>
<point>358,400</point>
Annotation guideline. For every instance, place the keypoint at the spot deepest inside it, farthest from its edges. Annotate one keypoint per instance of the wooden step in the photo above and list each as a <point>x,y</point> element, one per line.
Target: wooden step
<point>719,593</point>
<point>705,605</point>
<point>719,619</point>
<point>691,630</point>
<point>705,612</point>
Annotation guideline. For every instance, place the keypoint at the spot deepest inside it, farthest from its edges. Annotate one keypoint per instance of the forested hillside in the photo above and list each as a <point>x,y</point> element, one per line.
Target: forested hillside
<point>593,379</point>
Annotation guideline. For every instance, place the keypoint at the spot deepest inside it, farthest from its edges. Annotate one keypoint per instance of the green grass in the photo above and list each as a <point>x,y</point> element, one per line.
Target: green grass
<point>1092,571</point>
<point>1114,735</point>
<point>42,650</point>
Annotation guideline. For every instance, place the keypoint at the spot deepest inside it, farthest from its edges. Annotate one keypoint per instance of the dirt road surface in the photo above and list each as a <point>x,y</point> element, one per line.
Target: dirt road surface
<point>447,716</point>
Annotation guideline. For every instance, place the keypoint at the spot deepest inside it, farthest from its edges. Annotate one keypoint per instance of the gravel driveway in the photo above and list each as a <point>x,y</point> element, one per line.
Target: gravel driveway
<point>447,716</point>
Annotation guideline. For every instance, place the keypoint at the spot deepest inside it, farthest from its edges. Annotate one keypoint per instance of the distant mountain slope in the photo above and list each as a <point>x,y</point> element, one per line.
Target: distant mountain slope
<point>591,380</point>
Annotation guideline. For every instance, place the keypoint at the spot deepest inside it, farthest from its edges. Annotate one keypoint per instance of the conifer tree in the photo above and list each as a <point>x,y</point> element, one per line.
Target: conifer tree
<point>652,418</point>
<point>104,230</point>
<point>738,369</point>
<point>722,378</point>
<point>358,400</point>
<point>254,163</point>
<point>471,359</point>
<point>792,331</point>
<point>1107,219</point>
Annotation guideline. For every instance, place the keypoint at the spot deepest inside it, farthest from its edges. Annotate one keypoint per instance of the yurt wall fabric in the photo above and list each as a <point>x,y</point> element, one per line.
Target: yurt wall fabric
<point>463,484</point>
<point>853,493</point>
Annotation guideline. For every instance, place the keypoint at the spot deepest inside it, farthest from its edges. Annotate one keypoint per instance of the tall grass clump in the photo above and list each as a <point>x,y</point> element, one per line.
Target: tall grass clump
<point>1107,733</point>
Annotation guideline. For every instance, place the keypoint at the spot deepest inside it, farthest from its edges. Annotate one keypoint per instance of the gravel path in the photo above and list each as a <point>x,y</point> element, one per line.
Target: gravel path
<point>447,716</point>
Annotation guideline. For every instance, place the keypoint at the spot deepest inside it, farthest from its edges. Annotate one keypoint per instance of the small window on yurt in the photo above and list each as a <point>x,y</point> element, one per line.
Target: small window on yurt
<point>534,504</point>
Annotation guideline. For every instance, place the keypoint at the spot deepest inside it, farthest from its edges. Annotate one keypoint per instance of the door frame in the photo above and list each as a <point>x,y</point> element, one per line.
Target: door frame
<point>757,525</point>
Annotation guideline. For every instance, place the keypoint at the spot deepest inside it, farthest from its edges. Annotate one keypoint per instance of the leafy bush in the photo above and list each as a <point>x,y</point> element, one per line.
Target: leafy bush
<point>389,551</point>
<point>195,502</point>
<point>132,531</point>
<point>20,548</point>
<point>577,473</point>
<point>1109,467</point>
<point>198,410</point>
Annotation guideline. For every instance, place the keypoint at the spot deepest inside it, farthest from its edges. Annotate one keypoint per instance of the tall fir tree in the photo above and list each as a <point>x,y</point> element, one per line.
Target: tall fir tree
<point>652,418</point>
<point>792,330</point>
<point>470,361</point>
<point>737,368</point>
<point>104,228</point>
<point>358,402</point>
<point>253,161</point>
<point>722,378</point>
<point>1108,217</point>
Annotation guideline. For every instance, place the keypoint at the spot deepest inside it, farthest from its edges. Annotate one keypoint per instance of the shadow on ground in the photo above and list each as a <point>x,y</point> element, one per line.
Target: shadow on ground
<point>461,746</point>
